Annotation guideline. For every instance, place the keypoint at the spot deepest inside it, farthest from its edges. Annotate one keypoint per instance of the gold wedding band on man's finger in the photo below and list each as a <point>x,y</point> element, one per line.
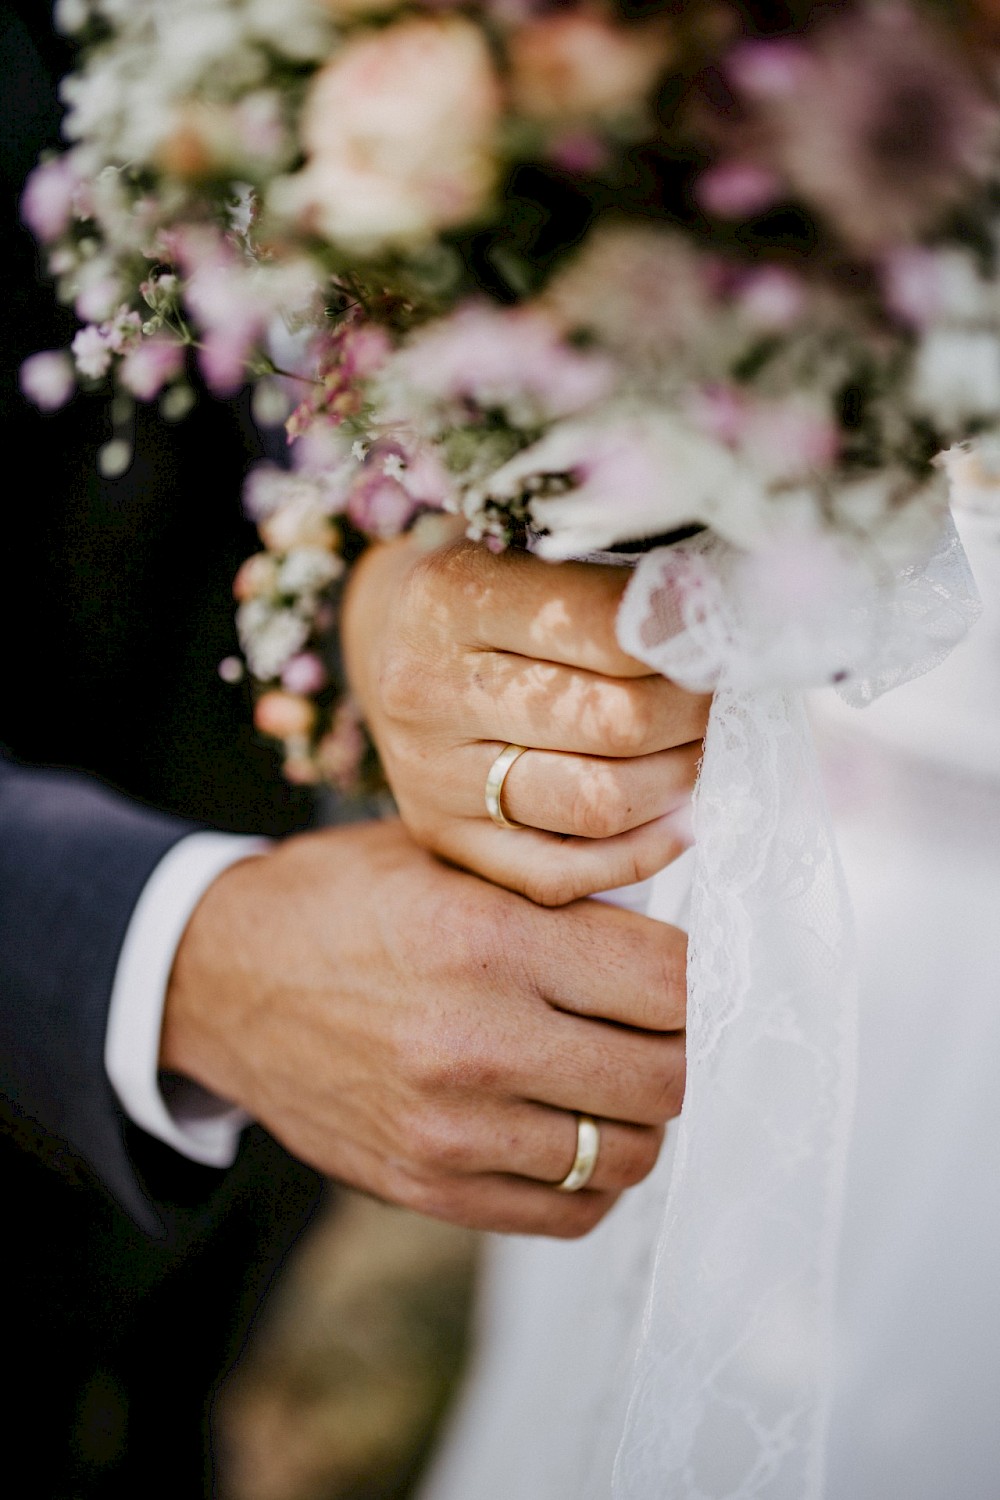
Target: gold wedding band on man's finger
<point>588,1146</point>
<point>494,784</point>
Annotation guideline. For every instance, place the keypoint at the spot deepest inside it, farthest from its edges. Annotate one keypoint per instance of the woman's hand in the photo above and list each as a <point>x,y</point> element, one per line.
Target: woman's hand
<point>455,652</point>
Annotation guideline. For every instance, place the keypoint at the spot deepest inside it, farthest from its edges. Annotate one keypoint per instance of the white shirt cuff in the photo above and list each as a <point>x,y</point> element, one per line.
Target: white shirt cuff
<point>195,1123</point>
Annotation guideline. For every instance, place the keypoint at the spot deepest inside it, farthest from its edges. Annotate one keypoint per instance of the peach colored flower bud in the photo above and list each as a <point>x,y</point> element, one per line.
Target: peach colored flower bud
<point>284,716</point>
<point>300,770</point>
<point>297,526</point>
<point>574,64</point>
<point>256,576</point>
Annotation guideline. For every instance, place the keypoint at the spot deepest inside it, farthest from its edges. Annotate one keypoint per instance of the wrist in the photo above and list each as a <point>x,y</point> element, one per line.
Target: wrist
<point>210,981</point>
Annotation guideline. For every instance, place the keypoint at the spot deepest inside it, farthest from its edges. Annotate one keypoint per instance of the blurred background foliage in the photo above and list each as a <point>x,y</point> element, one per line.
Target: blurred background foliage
<point>351,1366</point>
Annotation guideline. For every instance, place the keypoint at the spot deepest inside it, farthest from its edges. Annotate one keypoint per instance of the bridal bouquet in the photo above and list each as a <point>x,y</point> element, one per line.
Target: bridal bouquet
<point>588,274</point>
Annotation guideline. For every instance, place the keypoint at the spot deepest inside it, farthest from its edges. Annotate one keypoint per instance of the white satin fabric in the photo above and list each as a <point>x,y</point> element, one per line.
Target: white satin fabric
<point>915,785</point>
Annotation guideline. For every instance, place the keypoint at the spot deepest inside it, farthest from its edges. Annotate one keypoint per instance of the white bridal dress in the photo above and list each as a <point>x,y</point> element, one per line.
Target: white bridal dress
<point>914,784</point>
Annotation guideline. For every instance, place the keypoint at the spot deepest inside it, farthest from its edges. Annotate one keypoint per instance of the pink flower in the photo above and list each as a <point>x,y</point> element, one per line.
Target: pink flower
<point>782,439</point>
<point>123,331</point>
<point>91,352</point>
<point>772,298</point>
<point>769,70</point>
<point>721,412</point>
<point>345,359</point>
<point>790,439</point>
<point>876,120</point>
<point>591,483</point>
<point>193,247</point>
<point>399,133</point>
<point>264,490</point>
<point>426,480</point>
<point>222,359</point>
<point>323,455</point>
<point>366,347</point>
<point>505,358</point>
<point>231,670</point>
<point>47,203</point>
<point>923,286</point>
<point>380,506</point>
<point>259,127</point>
<point>96,299</point>
<point>578,151</point>
<point>304,673</point>
<point>148,367</point>
<point>231,303</point>
<point>417,467</point>
<point>737,189</point>
<point>47,379</point>
<point>230,308</point>
<point>911,282</point>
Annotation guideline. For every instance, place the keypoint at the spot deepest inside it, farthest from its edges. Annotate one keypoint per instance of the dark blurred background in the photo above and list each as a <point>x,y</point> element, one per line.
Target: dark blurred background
<point>115,609</point>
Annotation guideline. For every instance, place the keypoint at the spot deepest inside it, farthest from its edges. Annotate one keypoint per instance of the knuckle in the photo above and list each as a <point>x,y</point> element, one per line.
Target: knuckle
<point>445,577</point>
<point>420,585</point>
<point>412,1053</point>
<point>402,690</point>
<point>433,1061</point>
<point>400,1184</point>
<point>422,1195</point>
<point>477,1067</point>
<point>433,1143</point>
<point>459,929</point>
<point>482,932</point>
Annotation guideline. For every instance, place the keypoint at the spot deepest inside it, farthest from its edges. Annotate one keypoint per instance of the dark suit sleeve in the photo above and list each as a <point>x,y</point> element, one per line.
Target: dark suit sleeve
<point>74,858</point>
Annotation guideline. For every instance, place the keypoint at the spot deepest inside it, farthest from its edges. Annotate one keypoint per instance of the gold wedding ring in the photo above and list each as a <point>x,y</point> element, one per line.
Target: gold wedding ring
<point>588,1144</point>
<point>494,784</point>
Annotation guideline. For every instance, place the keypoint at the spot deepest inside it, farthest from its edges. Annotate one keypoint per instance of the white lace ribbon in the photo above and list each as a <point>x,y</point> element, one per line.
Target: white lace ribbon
<point>733,1373</point>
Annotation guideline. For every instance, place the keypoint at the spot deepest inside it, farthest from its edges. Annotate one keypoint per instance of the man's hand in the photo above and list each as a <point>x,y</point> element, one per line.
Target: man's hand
<point>455,652</point>
<point>427,1037</point>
